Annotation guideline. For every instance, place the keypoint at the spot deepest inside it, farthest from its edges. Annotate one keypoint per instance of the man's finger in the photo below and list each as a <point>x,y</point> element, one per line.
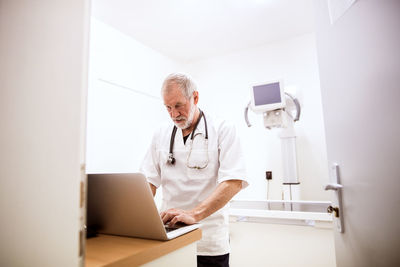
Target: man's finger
<point>167,218</point>
<point>175,220</point>
<point>168,215</point>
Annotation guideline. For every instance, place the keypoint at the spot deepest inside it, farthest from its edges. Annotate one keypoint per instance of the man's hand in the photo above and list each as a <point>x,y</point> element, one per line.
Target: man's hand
<point>221,195</point>
<point>176,215</point>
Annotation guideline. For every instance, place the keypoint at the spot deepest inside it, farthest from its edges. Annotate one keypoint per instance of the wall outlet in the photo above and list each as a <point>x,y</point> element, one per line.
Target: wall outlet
<point>268,175</point>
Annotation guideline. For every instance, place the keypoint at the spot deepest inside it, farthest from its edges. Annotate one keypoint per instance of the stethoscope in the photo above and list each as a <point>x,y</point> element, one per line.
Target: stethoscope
<point>171,160</point>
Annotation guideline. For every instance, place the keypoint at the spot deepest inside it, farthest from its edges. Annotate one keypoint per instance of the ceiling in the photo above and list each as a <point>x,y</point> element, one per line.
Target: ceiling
<point>188,30</point>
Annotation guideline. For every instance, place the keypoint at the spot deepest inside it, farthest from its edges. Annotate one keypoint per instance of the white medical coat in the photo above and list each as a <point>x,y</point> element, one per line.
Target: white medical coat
<point>185,188</point>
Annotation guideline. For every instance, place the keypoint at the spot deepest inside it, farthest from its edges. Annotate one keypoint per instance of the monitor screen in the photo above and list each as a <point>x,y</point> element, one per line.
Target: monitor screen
<point>267,94</point>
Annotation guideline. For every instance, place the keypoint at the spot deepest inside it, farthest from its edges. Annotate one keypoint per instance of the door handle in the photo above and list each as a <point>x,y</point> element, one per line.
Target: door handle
<point>336,187</point>
<point>333,187</point>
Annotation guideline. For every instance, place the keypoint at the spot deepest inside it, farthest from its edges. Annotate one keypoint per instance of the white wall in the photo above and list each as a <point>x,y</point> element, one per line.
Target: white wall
<point>224,86</point>
<point>124,106</point>
<point>43,82</point>
<point>262,244</point>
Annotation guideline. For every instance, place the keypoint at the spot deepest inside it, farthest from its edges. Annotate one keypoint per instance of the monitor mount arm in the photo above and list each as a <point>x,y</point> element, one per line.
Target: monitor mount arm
<point>293,99</point>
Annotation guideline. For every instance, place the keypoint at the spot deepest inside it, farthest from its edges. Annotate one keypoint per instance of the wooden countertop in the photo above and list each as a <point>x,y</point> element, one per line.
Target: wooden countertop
<point>108,250</point>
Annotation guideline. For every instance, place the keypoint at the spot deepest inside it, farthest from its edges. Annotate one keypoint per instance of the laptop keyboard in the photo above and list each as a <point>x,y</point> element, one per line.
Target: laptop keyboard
<point>176,226</point>
<point>169,229</point>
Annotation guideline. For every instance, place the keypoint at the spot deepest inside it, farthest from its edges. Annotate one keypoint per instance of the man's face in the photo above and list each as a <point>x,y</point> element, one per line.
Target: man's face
<point>178,106</point>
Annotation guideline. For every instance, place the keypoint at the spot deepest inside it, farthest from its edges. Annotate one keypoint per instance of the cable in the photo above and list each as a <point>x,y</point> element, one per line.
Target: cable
<point>269,207</point>
<point>291,203</point>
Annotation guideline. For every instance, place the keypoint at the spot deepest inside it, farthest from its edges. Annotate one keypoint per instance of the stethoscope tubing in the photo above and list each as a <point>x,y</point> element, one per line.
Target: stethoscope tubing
<point>171,159</point>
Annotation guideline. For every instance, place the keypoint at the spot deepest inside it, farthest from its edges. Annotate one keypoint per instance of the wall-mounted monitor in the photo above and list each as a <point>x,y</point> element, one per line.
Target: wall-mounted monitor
<point>267,96</point>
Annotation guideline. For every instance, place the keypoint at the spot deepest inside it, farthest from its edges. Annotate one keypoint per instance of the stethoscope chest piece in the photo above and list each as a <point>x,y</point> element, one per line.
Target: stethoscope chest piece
<point>171,159</point>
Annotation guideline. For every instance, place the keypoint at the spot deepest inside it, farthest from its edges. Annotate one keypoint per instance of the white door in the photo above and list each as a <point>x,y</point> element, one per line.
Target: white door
<point>43,73</point>
<point>359,61</point>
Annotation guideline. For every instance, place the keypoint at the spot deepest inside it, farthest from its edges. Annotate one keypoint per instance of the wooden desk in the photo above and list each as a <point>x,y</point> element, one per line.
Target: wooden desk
<point>113,251</point>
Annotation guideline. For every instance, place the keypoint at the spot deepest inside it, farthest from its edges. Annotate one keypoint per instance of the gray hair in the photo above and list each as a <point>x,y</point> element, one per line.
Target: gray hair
<point>184,82</point>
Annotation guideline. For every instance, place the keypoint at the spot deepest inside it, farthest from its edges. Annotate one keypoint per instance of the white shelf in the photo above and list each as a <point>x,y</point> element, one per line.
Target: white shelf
<point>277,214</point>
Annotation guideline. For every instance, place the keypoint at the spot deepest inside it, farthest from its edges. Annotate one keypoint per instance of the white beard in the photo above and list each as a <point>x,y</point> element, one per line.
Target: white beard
<point>189,120</point>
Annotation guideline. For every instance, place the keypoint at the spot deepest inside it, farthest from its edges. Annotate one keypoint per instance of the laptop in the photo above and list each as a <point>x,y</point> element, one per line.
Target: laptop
<point>122,204</point>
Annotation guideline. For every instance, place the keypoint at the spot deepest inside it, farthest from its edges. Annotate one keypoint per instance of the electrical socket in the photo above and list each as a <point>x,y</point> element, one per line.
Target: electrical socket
<point>268,175</point>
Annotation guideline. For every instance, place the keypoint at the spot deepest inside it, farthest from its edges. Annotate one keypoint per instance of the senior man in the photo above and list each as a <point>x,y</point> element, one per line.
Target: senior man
<point>199,163</point>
